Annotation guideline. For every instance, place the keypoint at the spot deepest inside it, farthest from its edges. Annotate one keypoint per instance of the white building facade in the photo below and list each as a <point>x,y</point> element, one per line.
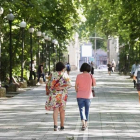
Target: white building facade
<point>113,49</point>
<point>73,54</point>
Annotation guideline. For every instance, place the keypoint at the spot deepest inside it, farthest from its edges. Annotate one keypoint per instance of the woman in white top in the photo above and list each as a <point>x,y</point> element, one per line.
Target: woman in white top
<point>92,67</point>
<point>136,77</point>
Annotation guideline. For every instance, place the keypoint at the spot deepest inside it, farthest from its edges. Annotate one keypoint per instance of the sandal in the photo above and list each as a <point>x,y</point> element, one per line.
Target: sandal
<point>55,128</point>
<point>83,128</point>
<point>62,128</point>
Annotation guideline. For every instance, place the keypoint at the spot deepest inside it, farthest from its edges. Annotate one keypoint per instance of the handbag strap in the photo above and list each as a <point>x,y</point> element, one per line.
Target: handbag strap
<point>91,79</point>
<point>57,81</point>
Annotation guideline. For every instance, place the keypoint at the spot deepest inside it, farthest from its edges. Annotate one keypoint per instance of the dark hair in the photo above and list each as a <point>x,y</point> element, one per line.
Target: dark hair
<point>60,66</point>
<point>85,67</point>
<point>137,61</point>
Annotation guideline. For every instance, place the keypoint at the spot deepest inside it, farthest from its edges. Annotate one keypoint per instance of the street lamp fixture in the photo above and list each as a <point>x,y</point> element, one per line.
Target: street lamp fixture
<point>127,66</point>
<point>38,35</point>
<point>43,35</point>
<point>22,26</point>
<point>1,12</point>
<point>127,55</point>
<point>10,17</point>
<point>47,39</point>
<point>55,42</point>
<point>31,30</point>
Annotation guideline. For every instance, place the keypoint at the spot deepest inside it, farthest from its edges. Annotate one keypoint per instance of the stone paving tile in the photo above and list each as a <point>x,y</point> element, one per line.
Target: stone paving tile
<point>27,138</point>
<point>125,138</point>
<point>95,138</point>
<point>111,138</point>
<point>137,138</point>
<point>114,113</point>
<point>5,138</point>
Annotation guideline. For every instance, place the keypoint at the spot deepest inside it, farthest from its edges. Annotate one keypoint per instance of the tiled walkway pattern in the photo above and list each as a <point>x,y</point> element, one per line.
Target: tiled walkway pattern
<point>114,113</point>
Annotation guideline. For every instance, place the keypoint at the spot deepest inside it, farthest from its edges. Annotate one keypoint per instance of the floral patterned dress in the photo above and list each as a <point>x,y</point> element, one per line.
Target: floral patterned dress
<point>57,98</point>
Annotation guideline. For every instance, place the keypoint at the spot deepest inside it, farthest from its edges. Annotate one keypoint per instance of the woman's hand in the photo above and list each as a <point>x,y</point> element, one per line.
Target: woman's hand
<point>47,93</point>
<point>59,88</point>
<point>76,88</point>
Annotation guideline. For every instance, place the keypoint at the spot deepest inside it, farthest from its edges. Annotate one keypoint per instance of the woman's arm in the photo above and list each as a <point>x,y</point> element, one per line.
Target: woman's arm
<point>134,78</point>
<point>41,69</point>
<point>76,83</point>
<point>93,81</point>
<point>48,85</point>
<point>76,87</point>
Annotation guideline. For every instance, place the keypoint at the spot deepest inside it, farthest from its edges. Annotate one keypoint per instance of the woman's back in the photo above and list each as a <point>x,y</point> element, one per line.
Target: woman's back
<point>84,82</point>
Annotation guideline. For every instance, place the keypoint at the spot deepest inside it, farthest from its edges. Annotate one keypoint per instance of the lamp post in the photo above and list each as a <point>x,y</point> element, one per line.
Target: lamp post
<point>68,57</point>
<point>55,42</point>
<point>108,49</point>
<point>1,12</point>
<point>42,52</point>
<point>95,47</point>
<point>22,26</point>
<point>127,57</point>
<point>43,35</point>
<point>47,39</point>
<point>68,48</point>
<point>59,54</point>
<point>38,35</point>
<point>31,30</point>
<point>10,17</point>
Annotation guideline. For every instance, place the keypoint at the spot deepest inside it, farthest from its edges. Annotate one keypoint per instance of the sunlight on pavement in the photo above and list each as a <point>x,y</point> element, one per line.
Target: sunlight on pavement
<point>114,113</point>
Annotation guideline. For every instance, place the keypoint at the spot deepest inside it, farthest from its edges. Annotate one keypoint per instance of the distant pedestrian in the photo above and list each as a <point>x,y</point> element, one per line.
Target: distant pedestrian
<point>41,73</point>
<point>83,87</point>
<point>92,67</point>
<point>56,88</point>
<point>68,68</point>
<point>133,69</point>
<point>33,71</point>
<point>137,79</point>
<point>113,65</point>
<point>109,68</point>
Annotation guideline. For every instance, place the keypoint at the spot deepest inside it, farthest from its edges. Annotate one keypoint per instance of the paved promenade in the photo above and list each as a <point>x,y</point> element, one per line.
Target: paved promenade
<point>114,113</point>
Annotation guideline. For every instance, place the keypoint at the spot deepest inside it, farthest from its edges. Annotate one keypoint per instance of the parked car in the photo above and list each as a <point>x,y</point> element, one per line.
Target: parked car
<point>103,67</point>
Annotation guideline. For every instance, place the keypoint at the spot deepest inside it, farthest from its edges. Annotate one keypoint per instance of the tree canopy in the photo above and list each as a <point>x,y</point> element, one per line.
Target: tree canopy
<point>59,19</point>
<point>56,18</point>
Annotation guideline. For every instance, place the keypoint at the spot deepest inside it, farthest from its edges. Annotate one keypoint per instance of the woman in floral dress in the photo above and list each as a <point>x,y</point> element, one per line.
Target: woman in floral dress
<point>56,87</point>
